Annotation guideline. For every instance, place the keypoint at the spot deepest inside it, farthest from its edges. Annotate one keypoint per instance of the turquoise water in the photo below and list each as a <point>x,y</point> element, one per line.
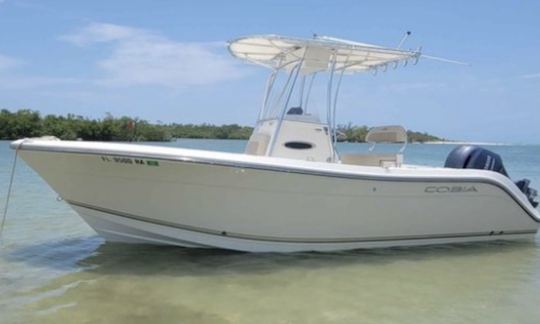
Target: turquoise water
<point>54,269</point>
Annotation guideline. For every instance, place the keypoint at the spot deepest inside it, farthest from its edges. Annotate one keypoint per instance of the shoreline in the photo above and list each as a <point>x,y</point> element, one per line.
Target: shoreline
<point>347,142</point>
<point>465,143</point>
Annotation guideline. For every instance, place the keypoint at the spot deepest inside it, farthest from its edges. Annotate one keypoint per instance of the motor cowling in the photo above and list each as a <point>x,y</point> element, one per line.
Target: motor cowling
<point>476,157</point>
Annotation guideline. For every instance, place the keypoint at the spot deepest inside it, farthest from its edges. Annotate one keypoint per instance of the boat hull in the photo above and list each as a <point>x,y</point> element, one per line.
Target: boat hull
<point>193,198</point>
<point>115,227</point>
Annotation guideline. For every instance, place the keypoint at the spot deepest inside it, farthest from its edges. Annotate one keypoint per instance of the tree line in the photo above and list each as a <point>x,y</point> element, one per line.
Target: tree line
<point>30,123</point>
<point>351,133</point>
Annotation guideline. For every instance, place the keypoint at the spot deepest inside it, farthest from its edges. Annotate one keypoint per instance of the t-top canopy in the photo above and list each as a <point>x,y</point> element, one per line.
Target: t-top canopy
<point>318,54</point>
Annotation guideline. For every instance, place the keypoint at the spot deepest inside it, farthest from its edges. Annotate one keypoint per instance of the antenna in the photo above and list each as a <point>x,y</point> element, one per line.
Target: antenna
<point>407,34</point>
<point>442,59</point>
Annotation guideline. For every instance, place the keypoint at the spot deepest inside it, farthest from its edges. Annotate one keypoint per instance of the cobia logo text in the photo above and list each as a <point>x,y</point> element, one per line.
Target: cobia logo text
<point>450,189</point>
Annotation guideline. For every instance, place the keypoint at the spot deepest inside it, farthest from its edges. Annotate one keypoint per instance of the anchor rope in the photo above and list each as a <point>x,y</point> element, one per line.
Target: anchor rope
<point>10,186</point>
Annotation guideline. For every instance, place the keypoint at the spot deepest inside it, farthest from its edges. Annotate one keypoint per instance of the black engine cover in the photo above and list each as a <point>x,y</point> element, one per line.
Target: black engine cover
<point>474,157</point>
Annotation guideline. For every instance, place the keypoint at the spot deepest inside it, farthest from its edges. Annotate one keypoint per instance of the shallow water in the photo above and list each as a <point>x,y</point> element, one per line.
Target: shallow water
<point>54,269</point>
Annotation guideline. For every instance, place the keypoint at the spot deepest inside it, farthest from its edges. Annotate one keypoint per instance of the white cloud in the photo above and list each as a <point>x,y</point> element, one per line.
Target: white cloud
<point>101,32</point>
<point>11,80</point>
<point>141,57</point>
<point>7,62</point>
<point>531,76</point>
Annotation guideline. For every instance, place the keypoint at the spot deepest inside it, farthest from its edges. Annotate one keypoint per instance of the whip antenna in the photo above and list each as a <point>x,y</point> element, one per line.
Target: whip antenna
<point>407,34</point>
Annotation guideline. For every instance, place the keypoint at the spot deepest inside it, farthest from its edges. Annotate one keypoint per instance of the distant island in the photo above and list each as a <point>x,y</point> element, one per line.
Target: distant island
<point>29,123</point>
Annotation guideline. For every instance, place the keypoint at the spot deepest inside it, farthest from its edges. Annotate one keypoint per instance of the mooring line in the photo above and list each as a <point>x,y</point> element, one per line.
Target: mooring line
<point>10,186</point>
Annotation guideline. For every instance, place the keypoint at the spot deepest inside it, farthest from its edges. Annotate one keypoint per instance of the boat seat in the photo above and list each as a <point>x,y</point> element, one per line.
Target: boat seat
<point>257,144</point>
<point>380,160</point>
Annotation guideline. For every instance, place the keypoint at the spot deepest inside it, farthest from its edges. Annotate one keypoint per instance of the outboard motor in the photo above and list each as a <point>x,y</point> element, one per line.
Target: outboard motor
<point>476,157</point>
<point>531,193</point>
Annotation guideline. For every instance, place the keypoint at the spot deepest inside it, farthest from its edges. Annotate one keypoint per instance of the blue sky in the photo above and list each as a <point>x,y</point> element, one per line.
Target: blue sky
<point>166,60</point>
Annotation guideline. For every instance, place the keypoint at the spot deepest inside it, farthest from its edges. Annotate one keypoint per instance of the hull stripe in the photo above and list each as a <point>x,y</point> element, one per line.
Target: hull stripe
<point>297,240</point>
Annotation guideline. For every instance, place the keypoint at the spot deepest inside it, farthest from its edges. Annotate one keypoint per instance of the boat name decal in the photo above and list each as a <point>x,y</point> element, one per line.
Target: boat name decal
<point>450,189</point>
<point>127,160</point>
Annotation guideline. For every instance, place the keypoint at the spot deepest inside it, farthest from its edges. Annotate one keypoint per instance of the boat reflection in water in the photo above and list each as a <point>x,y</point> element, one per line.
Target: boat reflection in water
<point>485,282</point>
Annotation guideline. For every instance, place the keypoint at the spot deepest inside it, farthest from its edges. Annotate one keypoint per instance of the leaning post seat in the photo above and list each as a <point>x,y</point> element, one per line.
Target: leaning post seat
<point>381,134</point>
<point>380,160</point>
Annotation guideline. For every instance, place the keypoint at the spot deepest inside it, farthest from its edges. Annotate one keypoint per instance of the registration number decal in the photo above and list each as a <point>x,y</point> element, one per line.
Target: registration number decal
<point>127,160</point>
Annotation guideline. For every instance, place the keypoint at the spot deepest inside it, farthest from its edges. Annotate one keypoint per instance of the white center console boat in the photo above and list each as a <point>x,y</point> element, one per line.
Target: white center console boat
<point>291,190</point>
